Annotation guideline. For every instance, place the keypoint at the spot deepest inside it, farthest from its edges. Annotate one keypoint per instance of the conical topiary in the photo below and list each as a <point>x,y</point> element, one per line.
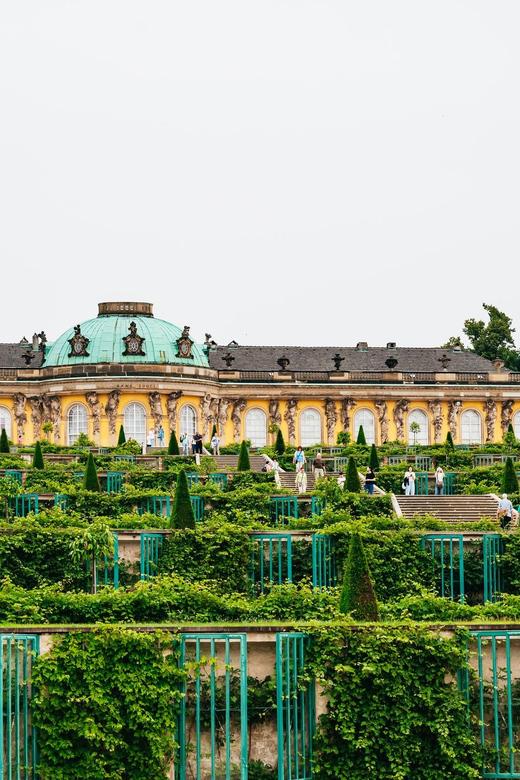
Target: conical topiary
<point>213,431</point>
<point>243,458</point>
<point>173,446</point>
<point>279,446</point>
<point>361,436</point>
<point>449,441</point>
<point>90,478</point>
<point>4,441</point>
<point>509,478</point>
<point>182,512</point>
<point>510,429</point>
<point>357,595</point>
<point>374,460</point>
<point>352,480</point>
<point>38,457</point>
<point>121,439</point>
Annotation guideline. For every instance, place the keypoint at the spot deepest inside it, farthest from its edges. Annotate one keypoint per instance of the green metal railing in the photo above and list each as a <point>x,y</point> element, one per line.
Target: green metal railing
<point>340,464</point>
<point>24,503</point>
<point>411,450</point>
<point>16,475</point>
<point>107,573</point>
<point>103,451</point>
<point>77,477</point>
<point>115,481</point>
<point>483,460</point>
<point>462,447</point>
<point>335,450</point>
<point>197,503</point>
<point>150,547</point>
<point>192,477</point>
<point>318,505</point>
<point>127,458</point>
<point>448,551</point>
<point>394,460</point>
<point>154,505</point>
<point>493,549</point>
<point>450,484</point>
<point>212,726</point>
<point>18,754</point>
<point>423,462</point>
<point>295,705</point>
<point>324,573</point>
<point>503,458</point>
<point>218,479</point>
<point>271,561</point>
<point>421,484</point>
<point>283,507</point>
<point>61,501</point>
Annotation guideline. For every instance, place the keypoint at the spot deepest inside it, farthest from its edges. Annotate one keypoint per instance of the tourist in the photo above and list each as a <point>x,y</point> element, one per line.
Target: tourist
<point>301,480</point>
<point>299,458</point>
<point>215,444</point>
<point>151,437</point>
<point>409,482</point>
<point>276,471</point>
<point>341,479</point>
<point>439,481</point>
<point>370,481</point>
<point>160,436</point>
<point>504,511</point>
<point>185,444</point>
<point>197,440</point>
<point>318,467</point>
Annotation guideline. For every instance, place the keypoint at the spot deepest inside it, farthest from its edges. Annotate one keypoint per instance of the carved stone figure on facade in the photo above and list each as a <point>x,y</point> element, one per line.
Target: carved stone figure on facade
<point>35,402</point>
<point>95,410</point>
<point>78,343</point>
<point>290,418</point>
<point>490,409</point>
<point>506,415</point>
<point>213,413</point>
<point>223,408</point>
<point>111,407</point>
<point>384,422</point>
<point>171,407</point>
<point>346,407</point>
<point>454,409</point>
<point>275,416</point>
<point>55,415</point>
<point>400,409</point>
<point>205,405</point>
<point>331,417</point>
<point>133,342</point>
<point>43,341</point>
<point>19,403</point>
<point>156,410</point>
<point>435,409</point>
<point>28,356</point>
<point>239,407</point>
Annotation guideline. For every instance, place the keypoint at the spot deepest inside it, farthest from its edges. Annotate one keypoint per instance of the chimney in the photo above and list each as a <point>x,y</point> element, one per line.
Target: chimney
<point>391,345</point>
<point>35,341</point>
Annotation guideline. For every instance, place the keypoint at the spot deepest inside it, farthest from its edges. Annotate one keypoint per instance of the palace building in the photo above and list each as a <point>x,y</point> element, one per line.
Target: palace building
<point>126,367</point>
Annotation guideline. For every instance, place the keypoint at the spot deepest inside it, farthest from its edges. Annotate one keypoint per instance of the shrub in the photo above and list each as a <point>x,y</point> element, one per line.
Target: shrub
<point>4,441</point>
<point>361,436</point>
<point>279,447</point>
<point>343,437</point>
<point>509,478</point>
<point>352,480</point>
<point>357,596</point>
<point>213,431</point>
<point>38,457</point>
<point>374,460</point>
<point>90,478</point>
<point>182,512</point>
<point>173,446</point>
<point>243,458</point>
<point>449,441</point>
<point>121,438</point>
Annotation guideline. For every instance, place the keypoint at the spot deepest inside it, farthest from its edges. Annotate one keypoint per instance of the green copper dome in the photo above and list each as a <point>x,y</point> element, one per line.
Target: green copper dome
<point>106,335</point>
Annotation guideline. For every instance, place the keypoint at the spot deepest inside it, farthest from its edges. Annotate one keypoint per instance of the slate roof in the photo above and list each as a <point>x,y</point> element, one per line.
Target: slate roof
<point>409,359</point>
<point>11,356</point>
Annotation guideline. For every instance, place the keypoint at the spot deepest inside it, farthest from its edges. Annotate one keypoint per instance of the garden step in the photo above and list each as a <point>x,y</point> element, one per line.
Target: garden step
<point>449,508</point>
<point>226,462</point>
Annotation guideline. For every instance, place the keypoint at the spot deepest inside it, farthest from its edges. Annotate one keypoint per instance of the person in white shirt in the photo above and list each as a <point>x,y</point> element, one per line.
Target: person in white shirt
<point>215,445</point>
<point>504,511</point>
<point>341,480</point>
<point>276,472</point>
<point>409,482</point>
<point>439,481</point>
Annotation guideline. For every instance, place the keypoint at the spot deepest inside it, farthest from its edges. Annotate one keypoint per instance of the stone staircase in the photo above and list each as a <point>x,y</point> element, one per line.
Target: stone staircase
<point>452,509</point>
<point>227,462</point>
<point>287,480</point>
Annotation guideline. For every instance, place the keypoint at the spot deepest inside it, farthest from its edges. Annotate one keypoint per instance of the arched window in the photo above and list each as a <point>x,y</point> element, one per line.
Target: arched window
<point>256,427</point>
<point>5,420</point>
<point>134,422</point>
<point>470,427</point>
<point>365,418</point>
<point>77,422</point>
<point>188,420</point>
<point>310,427</point>
<point>421,418</point>
<point>516,425</point>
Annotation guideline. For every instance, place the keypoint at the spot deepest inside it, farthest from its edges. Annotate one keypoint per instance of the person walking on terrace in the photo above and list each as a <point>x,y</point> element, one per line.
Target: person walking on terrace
<point>301,480</point>
<point>504,511</point>
<point>299,458</point>
<point>318,467</point>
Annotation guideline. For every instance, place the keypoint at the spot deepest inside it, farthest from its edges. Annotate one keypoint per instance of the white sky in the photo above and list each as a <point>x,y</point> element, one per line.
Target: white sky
<point>275,172</point>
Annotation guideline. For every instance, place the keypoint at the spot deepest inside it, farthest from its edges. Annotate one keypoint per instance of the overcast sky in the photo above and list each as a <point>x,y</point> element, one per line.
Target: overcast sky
<point>286,172</point>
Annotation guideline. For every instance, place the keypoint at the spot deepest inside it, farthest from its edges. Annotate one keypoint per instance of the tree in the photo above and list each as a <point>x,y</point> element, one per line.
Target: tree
<point>4,441</point>
<point>494,339</point>
<point>90,478</point>
<point>48,428</point>
<point>121,438</point>
<point>352,480</point>
<point>415,428</point>
<point>182,513</point>
<point>510,438</point>
<point>243,458</point>
<point>343,437</point>
<point>509,478</point>
<point>9,488</point>
<point>357,595</point>
<point>361,436</point>
<point>374,460</point>
<point>279,446</point>
<point>38,457</point>
<point>90,544</point>
<point>173,446</point>
<point>450,445</point>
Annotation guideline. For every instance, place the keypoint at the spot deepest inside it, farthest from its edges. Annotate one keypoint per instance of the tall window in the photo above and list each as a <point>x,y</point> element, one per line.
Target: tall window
<point>365,418</point>
<point>188,420</point>
<point>134,422</point>
<point>516,425</point>
<point>470,427</point>
<point>77,422</point>
<point>421,418</point>
<point>5,420</point>
<point>310,427</point>
<point>256,427</point>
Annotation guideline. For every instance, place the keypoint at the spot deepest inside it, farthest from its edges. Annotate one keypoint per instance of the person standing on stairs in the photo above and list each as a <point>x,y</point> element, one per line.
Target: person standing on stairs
<point>370,481</point>
<point>215,444</point>
<point>299,458</point>
<point>439,481</point>
<point>276,471</point>
<point>409,482</point>
<point>318,467</point>
<point>504,511</point>
<point>301,480</point>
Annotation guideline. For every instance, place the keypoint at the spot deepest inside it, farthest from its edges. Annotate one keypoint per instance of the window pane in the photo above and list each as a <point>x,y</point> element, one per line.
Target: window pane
<point>256,427</point>
<point>516,425</point>
<point>135,423</point>
<point>470,428</point>
<point>5,420</point>
<point>365,418</point>
<point>77,422</point>
<point>310,428</point>
<point>421,418</point>
<point>188,420</point>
